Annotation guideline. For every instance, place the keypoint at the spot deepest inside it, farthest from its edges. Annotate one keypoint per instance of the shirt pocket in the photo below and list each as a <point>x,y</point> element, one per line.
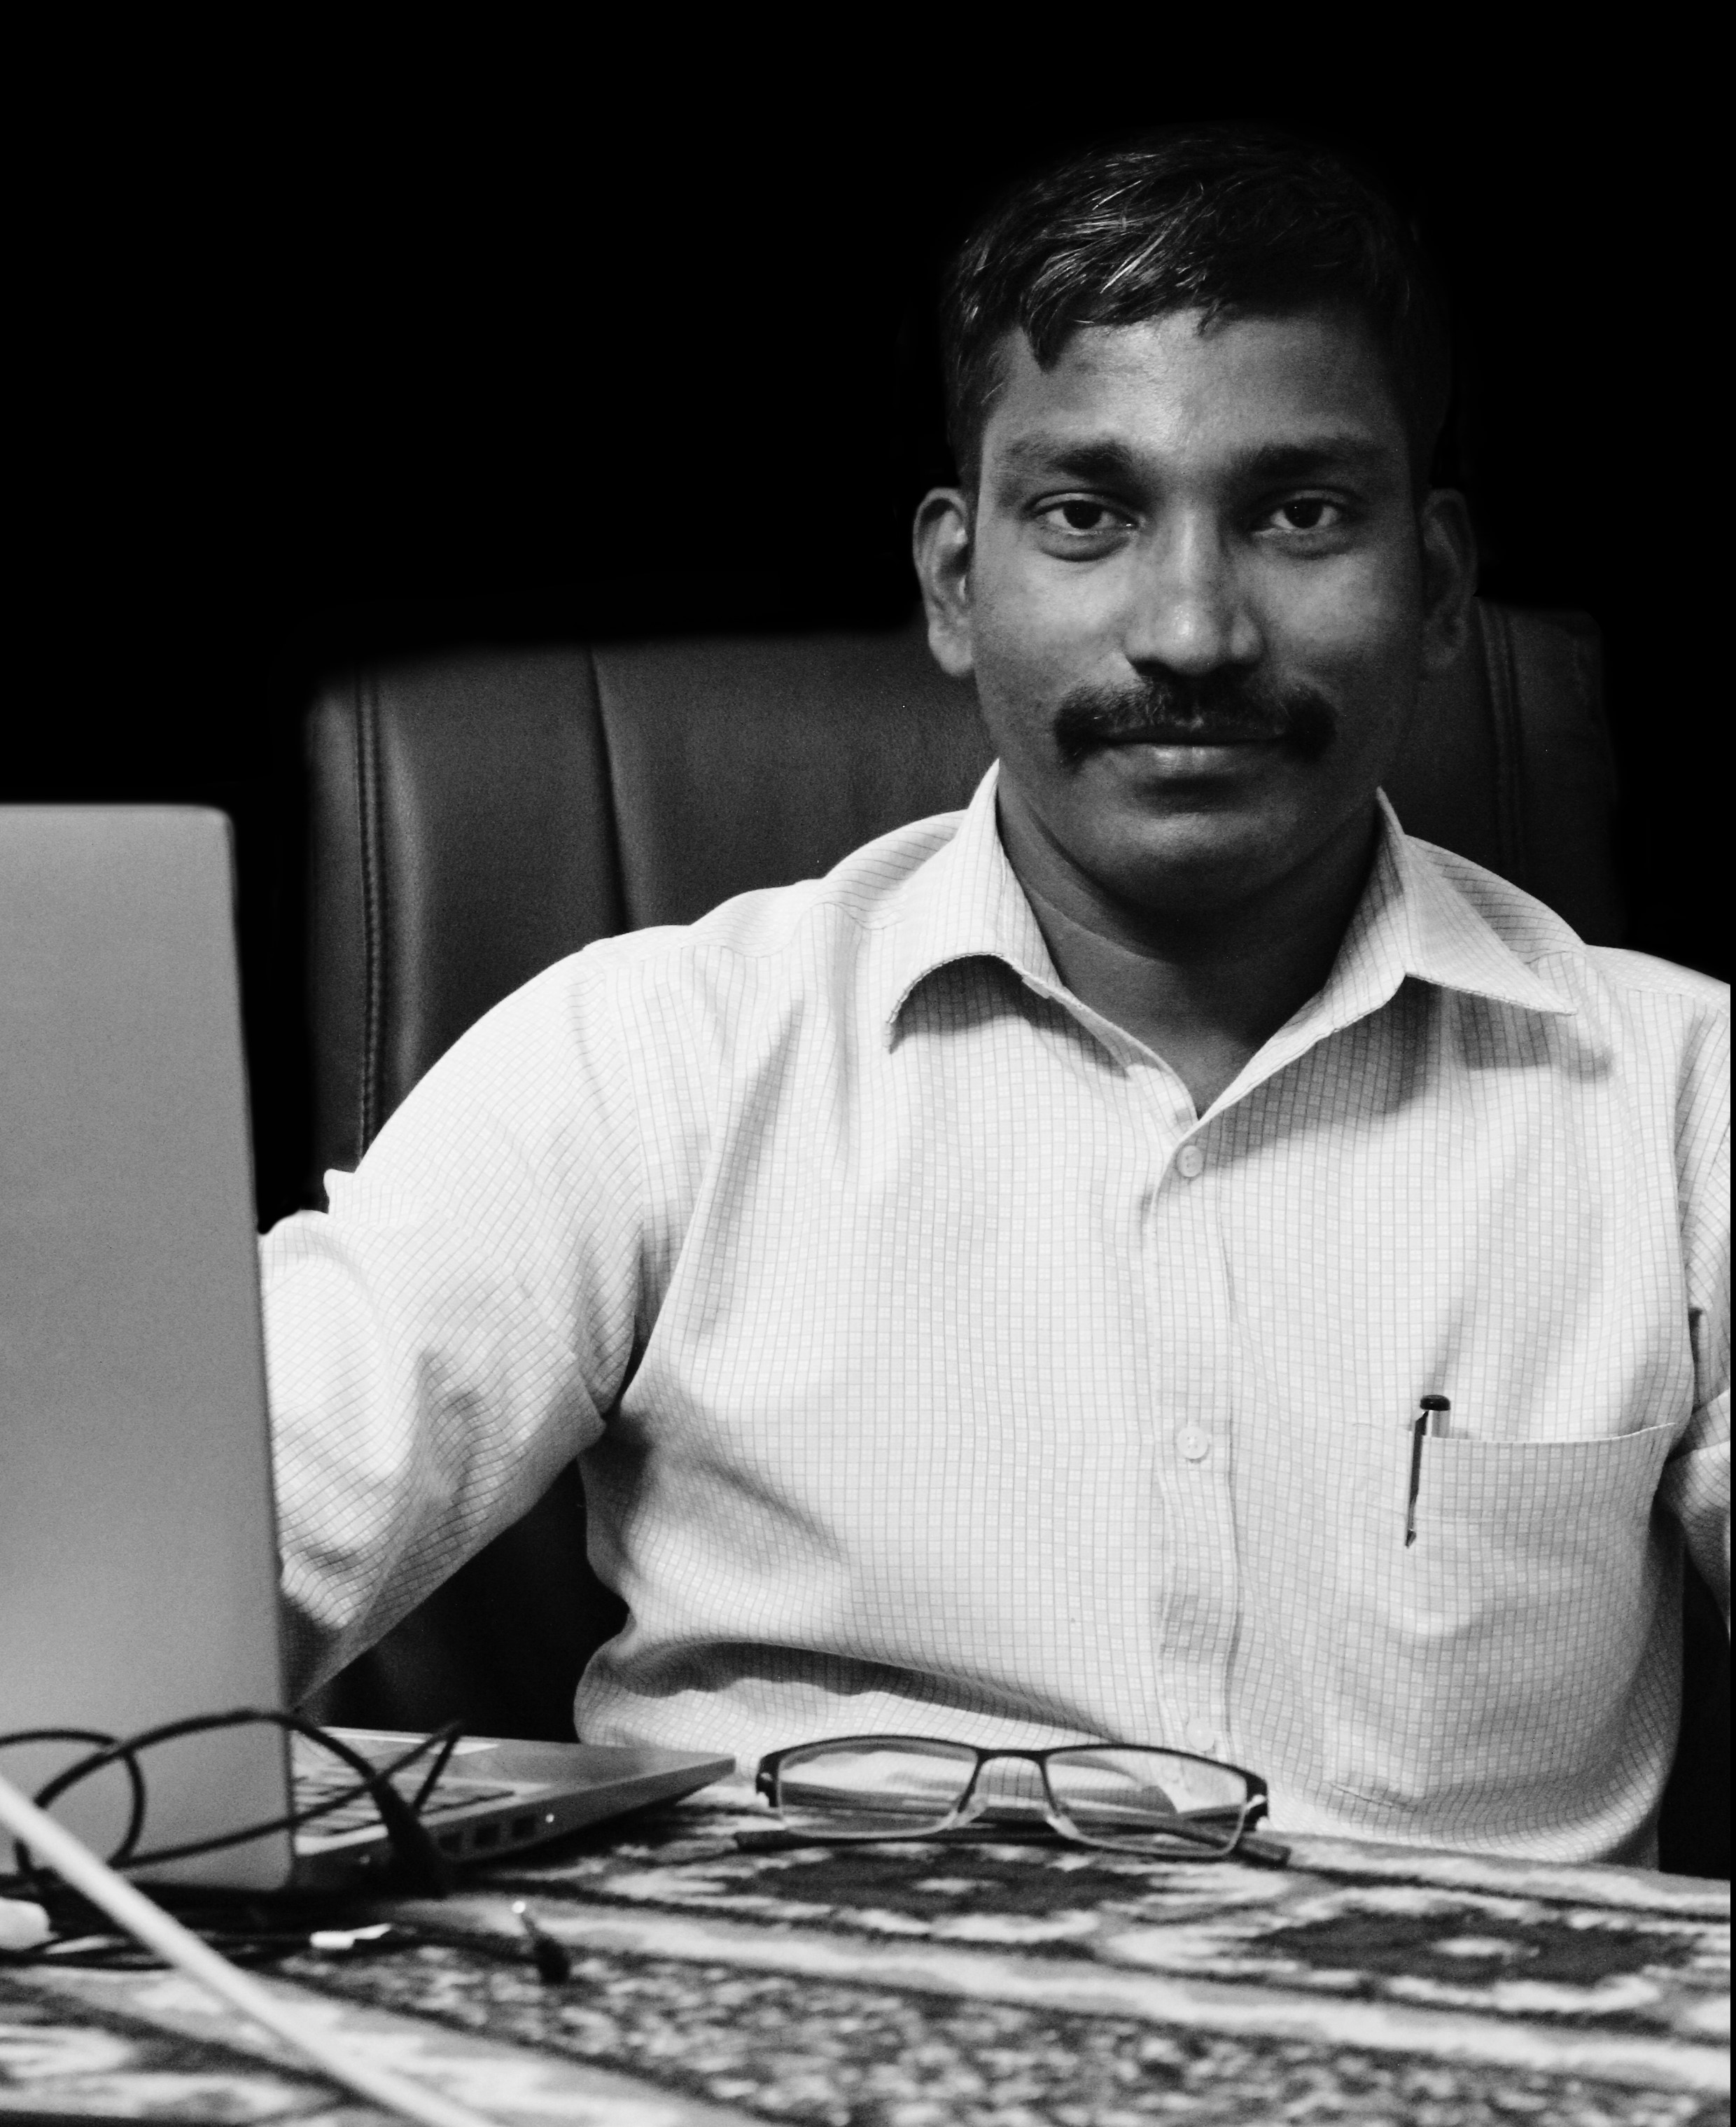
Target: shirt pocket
<point>1503,1650</point>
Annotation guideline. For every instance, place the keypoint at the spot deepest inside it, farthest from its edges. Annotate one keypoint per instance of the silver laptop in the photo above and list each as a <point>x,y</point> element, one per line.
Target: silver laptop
<point>138,1554</point>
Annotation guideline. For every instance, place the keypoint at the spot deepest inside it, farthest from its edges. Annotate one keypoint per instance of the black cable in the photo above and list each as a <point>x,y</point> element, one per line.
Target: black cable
<point>84,1937</point>
<point>135,1778</point>
<point>422,1869</point>
<point>256,1945</point>
<point>450,1734</point>
<point>418,1866</point>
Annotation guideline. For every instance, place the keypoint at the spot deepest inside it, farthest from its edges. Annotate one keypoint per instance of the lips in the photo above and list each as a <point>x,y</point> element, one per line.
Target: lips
<point>1171,735</point>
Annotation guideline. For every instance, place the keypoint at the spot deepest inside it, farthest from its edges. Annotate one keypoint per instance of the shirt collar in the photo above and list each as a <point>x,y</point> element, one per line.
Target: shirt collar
<point>1413,920</point>
<point>966,903</point>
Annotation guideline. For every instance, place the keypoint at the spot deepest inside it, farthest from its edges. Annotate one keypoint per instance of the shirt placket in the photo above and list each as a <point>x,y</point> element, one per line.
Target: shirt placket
<point>1192,1371</point>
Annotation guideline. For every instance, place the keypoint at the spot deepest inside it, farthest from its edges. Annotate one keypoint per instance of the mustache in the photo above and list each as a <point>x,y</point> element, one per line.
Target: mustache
<point>1224,708</point>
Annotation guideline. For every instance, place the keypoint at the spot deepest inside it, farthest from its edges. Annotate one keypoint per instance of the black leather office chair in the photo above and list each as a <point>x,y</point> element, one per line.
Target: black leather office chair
<point>478,814</point>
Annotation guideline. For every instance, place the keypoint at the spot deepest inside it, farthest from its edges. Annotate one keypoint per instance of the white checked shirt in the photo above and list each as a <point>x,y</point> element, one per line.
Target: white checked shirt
<point>935,1367</point>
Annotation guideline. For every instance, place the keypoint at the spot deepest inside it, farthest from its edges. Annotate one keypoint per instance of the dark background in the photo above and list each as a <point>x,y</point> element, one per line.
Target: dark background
<point>366,377</point>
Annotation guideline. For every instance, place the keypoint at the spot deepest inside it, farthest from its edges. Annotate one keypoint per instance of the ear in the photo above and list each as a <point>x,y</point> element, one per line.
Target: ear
<point>1449,575</point>
<point>941,545</point>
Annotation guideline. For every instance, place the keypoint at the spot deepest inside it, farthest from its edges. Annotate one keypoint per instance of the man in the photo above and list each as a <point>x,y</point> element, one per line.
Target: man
<point>992,1288</point>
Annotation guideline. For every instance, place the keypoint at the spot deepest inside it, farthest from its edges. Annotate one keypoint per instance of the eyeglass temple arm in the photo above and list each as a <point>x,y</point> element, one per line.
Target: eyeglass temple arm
<point>1259,1846</point>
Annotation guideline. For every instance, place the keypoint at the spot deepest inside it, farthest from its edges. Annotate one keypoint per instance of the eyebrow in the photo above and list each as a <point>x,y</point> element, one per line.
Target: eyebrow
<point>1337,452</point>
<point>1107,459</point>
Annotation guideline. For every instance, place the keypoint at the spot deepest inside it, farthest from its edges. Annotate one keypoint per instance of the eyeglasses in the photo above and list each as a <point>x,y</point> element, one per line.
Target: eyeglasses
<point>1123,1795</point>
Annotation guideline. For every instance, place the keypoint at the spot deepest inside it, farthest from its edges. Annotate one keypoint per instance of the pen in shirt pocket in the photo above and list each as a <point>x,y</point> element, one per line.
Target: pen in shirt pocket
<point>1431,1419</point>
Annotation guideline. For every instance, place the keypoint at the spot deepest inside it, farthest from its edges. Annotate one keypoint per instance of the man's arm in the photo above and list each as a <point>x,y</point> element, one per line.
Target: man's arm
<point>450,1335</point>
<point>1697,1480</point>
<point>1696,1489</point>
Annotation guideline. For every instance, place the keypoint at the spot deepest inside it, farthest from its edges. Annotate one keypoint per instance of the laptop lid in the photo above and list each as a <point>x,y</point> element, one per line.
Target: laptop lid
<point>138,1551</point>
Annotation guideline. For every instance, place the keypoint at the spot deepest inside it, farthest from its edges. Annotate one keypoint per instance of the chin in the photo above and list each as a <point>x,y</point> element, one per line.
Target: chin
<point>1201,861</point>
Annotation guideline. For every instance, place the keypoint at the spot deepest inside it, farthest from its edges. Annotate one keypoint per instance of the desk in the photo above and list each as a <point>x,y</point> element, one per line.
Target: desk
<point>931,1986</point>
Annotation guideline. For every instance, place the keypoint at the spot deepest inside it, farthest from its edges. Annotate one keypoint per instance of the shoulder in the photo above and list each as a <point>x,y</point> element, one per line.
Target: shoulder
<point>1591,975</point>
<point>1643,975</point>
<point>640,1001</point>
<point>657,1014</point>
<point>1662,1030</point>
<point>781,931</point>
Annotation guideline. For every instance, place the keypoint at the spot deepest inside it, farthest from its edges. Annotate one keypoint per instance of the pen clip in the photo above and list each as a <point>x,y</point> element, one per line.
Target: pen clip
<point>1431,1414</point>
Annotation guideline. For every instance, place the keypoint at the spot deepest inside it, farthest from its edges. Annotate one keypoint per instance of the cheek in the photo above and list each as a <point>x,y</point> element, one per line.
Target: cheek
<point>1037,629</point>
<point>1361,616</point>
<point>1361,639</point>
<point>1355,633</point>
<point>1019,641</point>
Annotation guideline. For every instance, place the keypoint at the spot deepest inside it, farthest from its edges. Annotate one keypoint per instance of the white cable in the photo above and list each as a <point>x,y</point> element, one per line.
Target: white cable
<point>158,1930</point>
<point>22,1925</point>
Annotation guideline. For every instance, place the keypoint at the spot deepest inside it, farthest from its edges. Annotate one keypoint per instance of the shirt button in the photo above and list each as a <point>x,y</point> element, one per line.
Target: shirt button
<point>1201,1736</point>
<point>1188,1161</point>
<point>1193,1443</point>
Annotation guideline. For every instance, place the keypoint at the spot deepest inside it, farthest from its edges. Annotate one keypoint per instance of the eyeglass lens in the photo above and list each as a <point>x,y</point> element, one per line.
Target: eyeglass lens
<point>892,1787</point>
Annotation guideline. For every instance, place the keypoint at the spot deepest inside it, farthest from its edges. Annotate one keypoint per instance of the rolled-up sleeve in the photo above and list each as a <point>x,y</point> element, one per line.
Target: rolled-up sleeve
<point>453,1330</point>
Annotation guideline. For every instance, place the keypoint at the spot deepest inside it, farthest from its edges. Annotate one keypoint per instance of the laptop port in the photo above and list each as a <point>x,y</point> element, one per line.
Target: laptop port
<point>523,1826</point>
<point>485,1835</point>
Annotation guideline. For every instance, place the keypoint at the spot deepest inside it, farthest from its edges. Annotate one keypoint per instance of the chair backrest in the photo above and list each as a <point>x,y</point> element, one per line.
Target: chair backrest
<point>478,814</point>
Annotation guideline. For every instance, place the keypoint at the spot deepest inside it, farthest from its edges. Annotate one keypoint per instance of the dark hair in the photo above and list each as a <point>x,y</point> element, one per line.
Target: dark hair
<point>1231,221</point>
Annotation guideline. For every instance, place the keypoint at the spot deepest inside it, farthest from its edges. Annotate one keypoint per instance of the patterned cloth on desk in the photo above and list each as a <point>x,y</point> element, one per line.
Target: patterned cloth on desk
<point>947,1986</point>
<point>936,1367</point>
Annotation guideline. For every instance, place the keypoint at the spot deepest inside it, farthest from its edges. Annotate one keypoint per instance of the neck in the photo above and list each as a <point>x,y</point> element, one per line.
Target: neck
<point>1204,989</point>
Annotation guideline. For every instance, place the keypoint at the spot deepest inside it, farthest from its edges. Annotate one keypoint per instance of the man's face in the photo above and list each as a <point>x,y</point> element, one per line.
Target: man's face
<point>1196,599</point>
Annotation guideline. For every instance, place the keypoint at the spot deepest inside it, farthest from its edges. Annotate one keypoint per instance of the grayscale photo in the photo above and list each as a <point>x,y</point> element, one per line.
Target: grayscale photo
<point>864,1226</point>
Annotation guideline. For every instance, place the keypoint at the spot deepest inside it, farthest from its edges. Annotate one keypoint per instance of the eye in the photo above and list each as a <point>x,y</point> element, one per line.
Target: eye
<point>1079,517</point>
<point>1307,513</point>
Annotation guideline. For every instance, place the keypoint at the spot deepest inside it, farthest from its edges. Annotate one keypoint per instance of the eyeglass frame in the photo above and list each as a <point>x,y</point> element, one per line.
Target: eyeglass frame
<point>1247,1844</point>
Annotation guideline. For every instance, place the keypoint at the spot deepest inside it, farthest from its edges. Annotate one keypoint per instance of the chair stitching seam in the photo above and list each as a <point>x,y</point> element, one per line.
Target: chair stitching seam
<point>1496,634</point>
<point>617,852</point>
<point>373,912</point>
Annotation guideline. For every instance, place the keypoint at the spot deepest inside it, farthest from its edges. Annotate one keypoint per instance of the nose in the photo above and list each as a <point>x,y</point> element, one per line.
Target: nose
<point>1189,612</point>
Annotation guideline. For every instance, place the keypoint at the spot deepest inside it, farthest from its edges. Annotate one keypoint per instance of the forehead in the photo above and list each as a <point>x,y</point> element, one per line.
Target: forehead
<point>1178,394</point>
